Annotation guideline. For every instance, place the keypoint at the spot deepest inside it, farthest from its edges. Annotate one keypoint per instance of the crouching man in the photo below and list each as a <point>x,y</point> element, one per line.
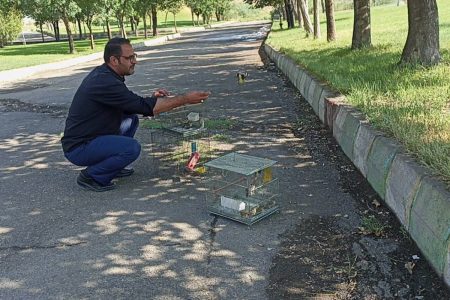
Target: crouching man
<point>102,119</point>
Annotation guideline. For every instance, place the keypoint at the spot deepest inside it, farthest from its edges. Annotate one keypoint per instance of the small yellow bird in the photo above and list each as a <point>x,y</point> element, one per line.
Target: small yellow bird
<point>241,77</point>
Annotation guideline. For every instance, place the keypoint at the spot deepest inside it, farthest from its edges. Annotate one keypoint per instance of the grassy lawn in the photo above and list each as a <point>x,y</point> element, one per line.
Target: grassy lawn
<point>18,56</point>
<point>413,105</point>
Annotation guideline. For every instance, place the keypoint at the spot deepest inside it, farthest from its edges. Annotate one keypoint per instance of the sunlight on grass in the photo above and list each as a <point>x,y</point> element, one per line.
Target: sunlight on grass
<point>411,104</point>
<point>18,56</point>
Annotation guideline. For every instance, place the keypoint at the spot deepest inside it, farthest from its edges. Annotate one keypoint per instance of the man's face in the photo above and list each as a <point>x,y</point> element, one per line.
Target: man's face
<point>127,61</point>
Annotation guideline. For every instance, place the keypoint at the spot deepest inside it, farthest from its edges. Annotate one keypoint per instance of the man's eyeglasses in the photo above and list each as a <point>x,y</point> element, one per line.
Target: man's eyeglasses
<point>130,58</point>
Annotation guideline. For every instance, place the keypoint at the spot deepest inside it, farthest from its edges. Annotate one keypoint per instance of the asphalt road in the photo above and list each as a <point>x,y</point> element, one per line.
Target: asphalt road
<point>152,238</point>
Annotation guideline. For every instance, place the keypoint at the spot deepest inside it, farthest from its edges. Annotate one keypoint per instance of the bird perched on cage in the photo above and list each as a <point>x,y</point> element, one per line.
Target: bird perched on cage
<point>241,76</point>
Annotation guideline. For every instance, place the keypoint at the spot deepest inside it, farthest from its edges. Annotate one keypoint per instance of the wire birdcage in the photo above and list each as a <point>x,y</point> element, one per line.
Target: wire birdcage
<point>182,142</point>
<point>241,187</point>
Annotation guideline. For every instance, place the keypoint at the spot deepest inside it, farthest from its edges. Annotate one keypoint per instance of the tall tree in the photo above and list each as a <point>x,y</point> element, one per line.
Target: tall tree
<point>316,19</point>
<point>107,7</point>
<point>221,7</point>
<point>143,8</point>
<point>41,11</point>
<point>331,26</point>
<point>300,16</point>
<point>174,7</point>
<point>67,10</point>
<point>306,20</point>
<point>88,9</point>
<point>289,13</point>
<point>10,25</point>
<point>422,43</point>
<point>123,9</point>
<point>154,14</point>
<point>361,24</point>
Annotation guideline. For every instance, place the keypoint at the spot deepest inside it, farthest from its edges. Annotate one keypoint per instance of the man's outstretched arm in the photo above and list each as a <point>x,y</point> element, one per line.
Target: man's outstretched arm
<point>167,103</point>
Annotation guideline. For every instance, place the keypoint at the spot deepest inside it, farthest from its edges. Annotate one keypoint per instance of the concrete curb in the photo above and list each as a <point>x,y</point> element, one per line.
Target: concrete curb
<point>22,73</point>
<point>421,202</point>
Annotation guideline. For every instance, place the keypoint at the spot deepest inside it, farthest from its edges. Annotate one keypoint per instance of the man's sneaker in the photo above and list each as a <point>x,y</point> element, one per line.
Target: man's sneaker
<point>125,172</point>
<point>87,182</point>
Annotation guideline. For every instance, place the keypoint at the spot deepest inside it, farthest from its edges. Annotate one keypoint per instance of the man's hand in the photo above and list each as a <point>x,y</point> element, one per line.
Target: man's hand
<point>161,93</point>
<point>195,97</point>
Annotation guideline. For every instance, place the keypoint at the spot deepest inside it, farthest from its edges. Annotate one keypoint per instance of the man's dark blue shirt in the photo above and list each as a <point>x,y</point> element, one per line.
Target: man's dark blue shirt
<point>99,105</point>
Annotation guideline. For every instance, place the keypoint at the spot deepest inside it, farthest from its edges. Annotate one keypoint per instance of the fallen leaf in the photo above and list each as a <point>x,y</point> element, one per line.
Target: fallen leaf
<point>376,203</point>
<point>410,266</point>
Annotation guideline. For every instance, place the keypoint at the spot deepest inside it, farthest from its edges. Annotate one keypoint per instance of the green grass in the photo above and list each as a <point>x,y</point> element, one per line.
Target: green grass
<point>410,104</point>
<point>151,124</point>
<point>221,138</point>
<point>18,56</point>
<point>371,225</point>
<point>219,124</point>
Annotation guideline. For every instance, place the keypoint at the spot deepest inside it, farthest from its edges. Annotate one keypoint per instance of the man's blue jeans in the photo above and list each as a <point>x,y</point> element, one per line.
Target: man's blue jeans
<point>106,155</point>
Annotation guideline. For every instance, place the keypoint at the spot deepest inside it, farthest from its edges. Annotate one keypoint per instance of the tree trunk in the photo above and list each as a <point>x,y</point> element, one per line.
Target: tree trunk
<point>56,31</point>
<point>144,18</point>
<point>91,36</point>
<point>289,13</point>
<point>108,28</point>
<point>322,2</point>
<point>306,20</point>
<point>175,23</point>
<point>361,24</point>
<point>300,16</point>
<point>154,20</point>
<point>80,35</point>
<point>42,32</point>
<point>123,31</point>
<point>294,10</point>
<point>316,19</point>
<point>422,43</point>
<point>132,23</point>
<point>69,34</point>
<point>192,16</point>
<point>165,18</point>
<point>331,26</point>
<point>136,27</point>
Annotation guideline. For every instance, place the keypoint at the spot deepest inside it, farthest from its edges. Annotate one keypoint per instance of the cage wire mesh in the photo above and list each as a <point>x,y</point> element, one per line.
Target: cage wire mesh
<point>184,121</point>
<point>181,143</point>
<point>241,187</point>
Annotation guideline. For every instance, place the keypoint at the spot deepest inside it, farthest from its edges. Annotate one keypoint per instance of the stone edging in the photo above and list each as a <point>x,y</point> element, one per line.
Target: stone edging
<point>420,201</point>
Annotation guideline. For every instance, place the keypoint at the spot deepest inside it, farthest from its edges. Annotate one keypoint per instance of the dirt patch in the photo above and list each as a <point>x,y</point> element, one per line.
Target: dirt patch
<point>15,105</point>
<point>367,255</point>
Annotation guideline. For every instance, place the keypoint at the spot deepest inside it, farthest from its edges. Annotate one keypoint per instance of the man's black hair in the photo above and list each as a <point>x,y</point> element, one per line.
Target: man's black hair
<point>114,47</point>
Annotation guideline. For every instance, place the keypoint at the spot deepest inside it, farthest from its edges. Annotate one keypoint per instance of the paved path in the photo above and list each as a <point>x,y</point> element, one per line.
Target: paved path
<point>152,238</point>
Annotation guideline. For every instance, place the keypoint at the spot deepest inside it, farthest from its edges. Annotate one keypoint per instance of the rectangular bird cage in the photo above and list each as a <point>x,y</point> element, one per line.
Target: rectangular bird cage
<point>241,187</point>
<point>184,121</point>
<point>180,141</point>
